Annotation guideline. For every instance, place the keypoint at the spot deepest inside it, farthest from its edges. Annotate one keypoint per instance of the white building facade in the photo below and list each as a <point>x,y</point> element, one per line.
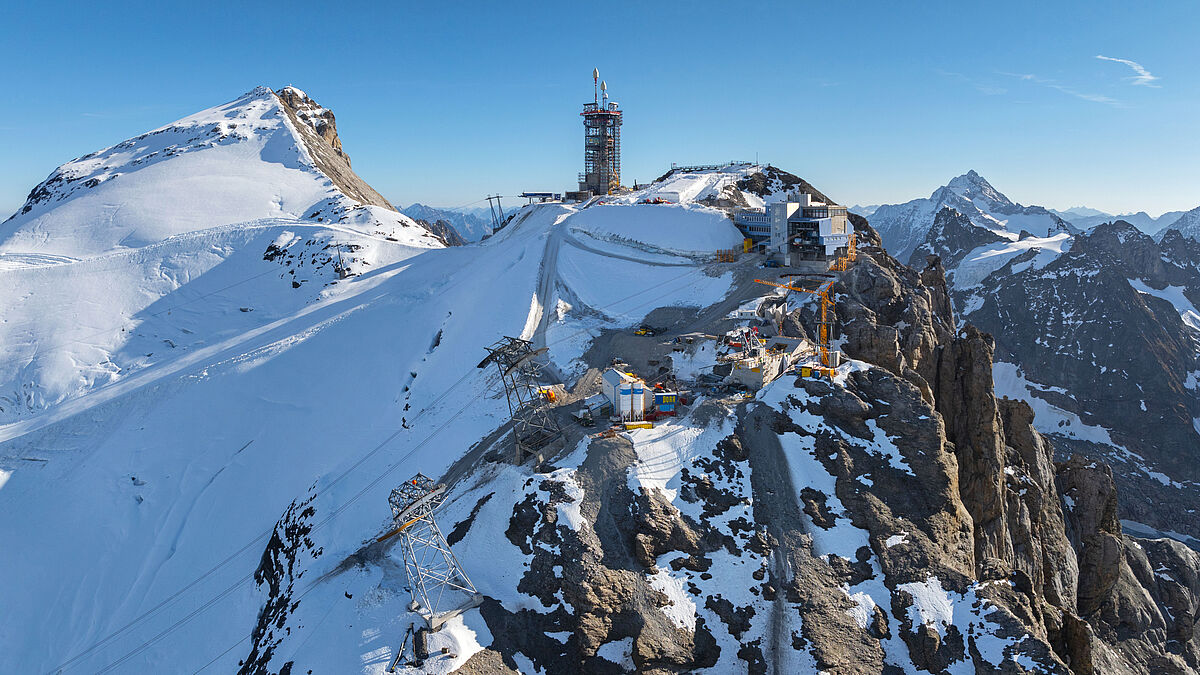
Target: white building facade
<point>804,229</point>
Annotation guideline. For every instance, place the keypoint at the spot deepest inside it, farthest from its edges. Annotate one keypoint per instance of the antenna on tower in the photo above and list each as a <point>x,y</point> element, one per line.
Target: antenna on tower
<point>595,79</point>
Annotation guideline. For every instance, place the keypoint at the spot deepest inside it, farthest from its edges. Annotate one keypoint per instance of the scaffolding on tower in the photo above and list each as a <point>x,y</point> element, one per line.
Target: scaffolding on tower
<point>534,429</point>
<point>440,588</point>
<point>601,142</point>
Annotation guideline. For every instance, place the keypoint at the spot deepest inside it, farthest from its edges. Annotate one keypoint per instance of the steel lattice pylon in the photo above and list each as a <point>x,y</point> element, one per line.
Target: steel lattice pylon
<point>533,426</point>
<point>437,581</point>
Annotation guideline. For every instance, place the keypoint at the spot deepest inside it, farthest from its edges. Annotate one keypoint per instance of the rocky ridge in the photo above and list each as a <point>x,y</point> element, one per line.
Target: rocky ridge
<point>1105,336</point>
<point>903,518</point>
<point>317,128</point>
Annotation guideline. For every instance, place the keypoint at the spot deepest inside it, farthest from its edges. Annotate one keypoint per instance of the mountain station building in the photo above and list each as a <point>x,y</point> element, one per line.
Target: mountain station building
<point>798,228</point>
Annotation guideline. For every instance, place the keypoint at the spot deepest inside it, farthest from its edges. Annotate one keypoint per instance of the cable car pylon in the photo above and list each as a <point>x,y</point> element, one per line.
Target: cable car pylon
<point>440,587</point>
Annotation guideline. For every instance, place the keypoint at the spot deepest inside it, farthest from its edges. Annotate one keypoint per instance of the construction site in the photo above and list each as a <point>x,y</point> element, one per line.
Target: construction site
<point>652,373</point>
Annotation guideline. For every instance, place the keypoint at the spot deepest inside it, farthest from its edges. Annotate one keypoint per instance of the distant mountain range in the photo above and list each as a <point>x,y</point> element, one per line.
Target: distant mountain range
<point>1082,218</point>
<point>1095,326</point>
<point>470,224</point>
<point>1085,219</point>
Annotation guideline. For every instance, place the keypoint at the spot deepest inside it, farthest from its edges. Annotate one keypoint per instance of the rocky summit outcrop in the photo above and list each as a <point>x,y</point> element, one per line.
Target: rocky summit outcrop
<point>773,181</point>
<point>318,130</point>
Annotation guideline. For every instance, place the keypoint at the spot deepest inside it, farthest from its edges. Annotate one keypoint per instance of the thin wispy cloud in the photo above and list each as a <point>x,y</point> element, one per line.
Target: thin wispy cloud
<point>1141,76</point>
<point>1071,91</point>
<point>981,87</point>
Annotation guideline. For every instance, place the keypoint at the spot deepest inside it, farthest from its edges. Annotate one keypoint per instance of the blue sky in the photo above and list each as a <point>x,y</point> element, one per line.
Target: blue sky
<point>445,102</point>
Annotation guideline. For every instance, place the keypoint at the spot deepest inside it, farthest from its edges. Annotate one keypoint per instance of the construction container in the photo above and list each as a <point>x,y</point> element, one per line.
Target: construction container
<point>665,401</point>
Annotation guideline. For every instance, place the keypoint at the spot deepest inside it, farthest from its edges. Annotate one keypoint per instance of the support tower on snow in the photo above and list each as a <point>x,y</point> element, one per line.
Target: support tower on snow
<point>534,429</point>
<point>440,588</point>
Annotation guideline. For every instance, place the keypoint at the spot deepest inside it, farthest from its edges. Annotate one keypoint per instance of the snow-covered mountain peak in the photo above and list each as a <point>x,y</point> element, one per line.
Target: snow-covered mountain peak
<point>904,227</point>
<point>971,186</point>
<point>258,156</point>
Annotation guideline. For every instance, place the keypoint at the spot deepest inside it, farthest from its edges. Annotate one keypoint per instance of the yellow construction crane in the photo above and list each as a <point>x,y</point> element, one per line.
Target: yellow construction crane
<point>843,262</point>
<point>826,300</point>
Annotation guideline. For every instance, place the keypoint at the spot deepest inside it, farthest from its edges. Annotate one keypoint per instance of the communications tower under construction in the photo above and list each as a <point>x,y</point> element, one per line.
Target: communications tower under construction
<point>601,142</point>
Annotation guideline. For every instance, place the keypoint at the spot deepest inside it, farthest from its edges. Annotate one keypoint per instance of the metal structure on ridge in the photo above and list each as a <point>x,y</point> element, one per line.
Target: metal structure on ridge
<point>601,142</point>
<point>497,220</point>
<point>533,427</point>
<point>439,586</point>
<point>825,320</point>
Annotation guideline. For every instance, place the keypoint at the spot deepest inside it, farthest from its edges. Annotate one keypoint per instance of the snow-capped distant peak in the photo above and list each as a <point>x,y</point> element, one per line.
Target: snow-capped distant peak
<point>972,186</point>
<point>903,227</point>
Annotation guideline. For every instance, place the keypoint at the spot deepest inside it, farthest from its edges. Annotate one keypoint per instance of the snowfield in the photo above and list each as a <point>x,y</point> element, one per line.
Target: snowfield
<point>984,260</point>
<point>689,230</point>
<point>188,377</point>
<point>234,163</point>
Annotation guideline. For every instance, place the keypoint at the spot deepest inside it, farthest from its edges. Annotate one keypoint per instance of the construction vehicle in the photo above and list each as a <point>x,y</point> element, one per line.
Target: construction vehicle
<point>824,294</point>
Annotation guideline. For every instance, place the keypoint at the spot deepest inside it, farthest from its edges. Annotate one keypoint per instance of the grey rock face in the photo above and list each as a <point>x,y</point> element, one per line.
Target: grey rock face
<point>906,481</point>
<point>951,238</point>
<point>318,130</point>
<point>1090,326</point>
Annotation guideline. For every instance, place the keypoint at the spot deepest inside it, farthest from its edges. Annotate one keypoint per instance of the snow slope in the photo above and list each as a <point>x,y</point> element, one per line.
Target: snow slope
<point>182,383</point>
<point>683,229</point>
<point>107,258</point>
<point>984,260</point>
<point>686,186</point>
<point>233,163</point>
